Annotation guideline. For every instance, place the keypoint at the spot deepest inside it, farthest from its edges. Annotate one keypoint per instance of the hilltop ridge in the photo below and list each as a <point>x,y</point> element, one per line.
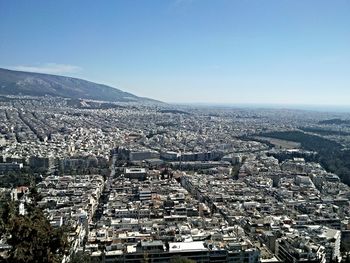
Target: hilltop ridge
<point>38,84</point>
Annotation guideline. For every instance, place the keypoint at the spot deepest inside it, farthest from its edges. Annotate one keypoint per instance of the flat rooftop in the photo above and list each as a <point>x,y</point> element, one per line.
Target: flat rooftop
<point>186,246</point>
<point>135,170</point>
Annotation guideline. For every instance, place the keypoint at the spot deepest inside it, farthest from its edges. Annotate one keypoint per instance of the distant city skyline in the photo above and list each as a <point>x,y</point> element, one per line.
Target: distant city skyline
<point>188,51</point>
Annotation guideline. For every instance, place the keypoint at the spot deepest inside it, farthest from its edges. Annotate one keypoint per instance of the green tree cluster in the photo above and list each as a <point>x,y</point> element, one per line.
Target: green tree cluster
<point>31,237</point>
<point>330,153</point>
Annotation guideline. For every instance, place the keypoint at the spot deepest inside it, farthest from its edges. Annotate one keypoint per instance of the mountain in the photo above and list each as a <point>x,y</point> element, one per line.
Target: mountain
<point>38,84</point>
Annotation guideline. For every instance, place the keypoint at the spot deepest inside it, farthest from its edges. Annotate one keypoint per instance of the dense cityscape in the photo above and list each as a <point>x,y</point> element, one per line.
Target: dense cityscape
<point>131,182</point>
<point>175,131</point>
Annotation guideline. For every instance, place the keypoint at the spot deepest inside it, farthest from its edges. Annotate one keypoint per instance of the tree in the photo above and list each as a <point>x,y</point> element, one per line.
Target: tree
<point>82,257</point>
<point>31,237</point>
<point>34,195</point>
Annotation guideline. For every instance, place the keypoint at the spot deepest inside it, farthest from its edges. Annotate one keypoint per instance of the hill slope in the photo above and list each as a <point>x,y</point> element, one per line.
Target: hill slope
<point>37,84</point>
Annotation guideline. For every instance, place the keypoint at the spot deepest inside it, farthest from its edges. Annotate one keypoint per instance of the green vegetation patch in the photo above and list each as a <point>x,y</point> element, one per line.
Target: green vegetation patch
<point>31,237</point>
<point>330,153</point>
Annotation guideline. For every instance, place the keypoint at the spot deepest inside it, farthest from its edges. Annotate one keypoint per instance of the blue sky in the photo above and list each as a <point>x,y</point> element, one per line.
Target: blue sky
<point>213,51</point>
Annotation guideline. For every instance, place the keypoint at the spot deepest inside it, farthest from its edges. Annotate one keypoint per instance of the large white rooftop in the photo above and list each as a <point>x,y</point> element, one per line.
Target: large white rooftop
<point>186,246</point>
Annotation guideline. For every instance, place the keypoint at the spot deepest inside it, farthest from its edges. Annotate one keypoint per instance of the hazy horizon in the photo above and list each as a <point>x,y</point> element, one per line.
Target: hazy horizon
<point>188,51</point>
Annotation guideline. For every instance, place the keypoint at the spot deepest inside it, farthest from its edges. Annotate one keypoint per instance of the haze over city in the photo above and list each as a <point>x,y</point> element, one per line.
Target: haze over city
<point>184,51</point>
